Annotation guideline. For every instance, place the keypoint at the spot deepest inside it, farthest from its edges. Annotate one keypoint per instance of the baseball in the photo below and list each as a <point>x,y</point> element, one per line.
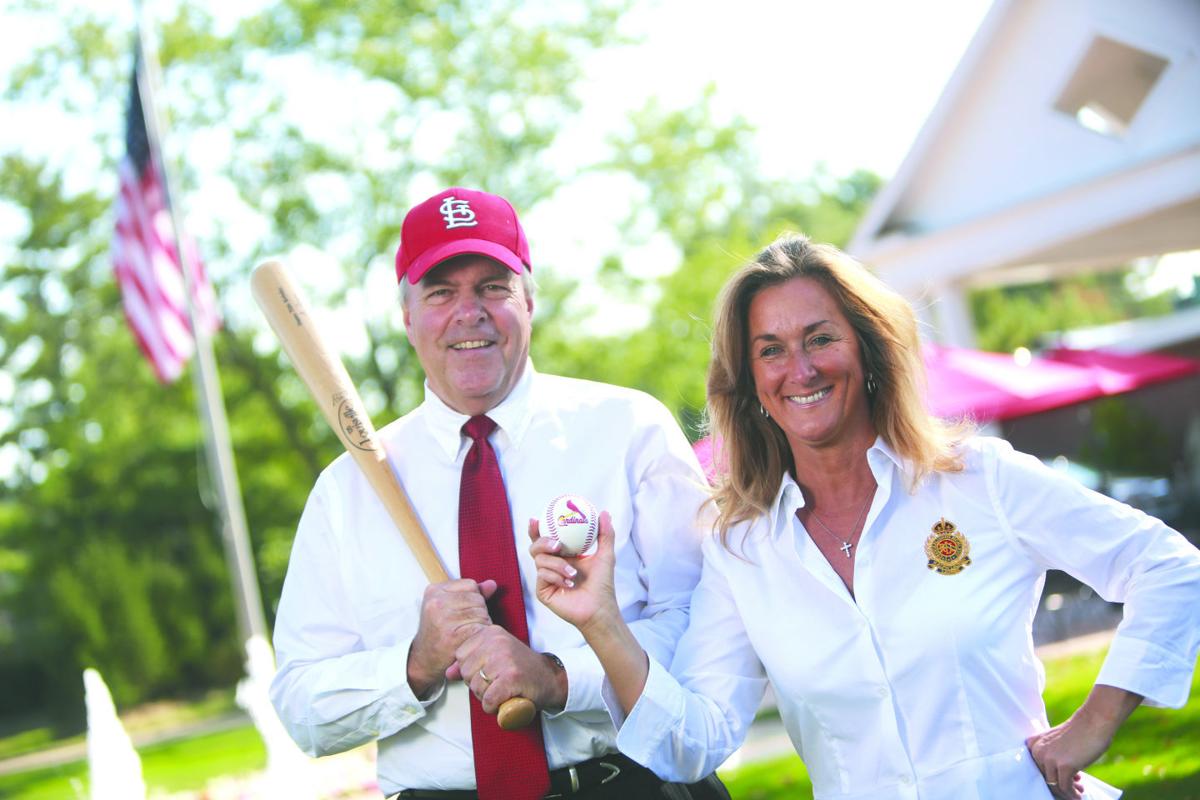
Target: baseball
<point>573,521</point>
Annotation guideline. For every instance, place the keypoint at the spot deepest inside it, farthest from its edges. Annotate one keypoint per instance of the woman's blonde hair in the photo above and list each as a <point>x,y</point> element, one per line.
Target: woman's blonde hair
<point>752,450</point>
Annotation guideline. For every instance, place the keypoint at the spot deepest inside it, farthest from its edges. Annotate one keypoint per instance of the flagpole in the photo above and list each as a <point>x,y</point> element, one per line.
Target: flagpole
<point>222,468</point>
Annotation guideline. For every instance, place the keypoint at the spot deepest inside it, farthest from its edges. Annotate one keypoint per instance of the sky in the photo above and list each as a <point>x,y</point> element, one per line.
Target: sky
<point>846,83</point>
<point>842,85</point>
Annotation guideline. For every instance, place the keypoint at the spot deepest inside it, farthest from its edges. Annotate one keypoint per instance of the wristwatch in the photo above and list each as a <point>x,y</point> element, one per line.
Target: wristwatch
<point>558,665</point>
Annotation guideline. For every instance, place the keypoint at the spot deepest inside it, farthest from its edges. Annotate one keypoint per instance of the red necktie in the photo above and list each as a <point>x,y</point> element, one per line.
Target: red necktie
<point>509,765</point>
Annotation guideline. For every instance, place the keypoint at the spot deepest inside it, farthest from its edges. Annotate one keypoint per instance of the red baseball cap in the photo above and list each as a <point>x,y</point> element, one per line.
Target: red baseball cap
<point>457,221</point>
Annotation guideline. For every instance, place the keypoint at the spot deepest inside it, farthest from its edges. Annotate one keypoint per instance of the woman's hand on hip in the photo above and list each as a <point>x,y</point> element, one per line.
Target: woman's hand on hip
<point>1061,752</point>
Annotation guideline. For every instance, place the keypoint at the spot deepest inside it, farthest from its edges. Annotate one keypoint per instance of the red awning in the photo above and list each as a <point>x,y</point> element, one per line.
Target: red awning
<point>996,386</point>
<point>1123,372</point>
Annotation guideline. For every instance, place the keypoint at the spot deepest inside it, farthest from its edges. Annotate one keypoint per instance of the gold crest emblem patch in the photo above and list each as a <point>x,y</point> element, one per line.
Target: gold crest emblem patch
<point>948,550</point>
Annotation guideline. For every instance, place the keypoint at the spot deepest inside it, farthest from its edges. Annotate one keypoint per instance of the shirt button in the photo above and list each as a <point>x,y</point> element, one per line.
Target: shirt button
<point>882,691</point>
<point>906,780</point>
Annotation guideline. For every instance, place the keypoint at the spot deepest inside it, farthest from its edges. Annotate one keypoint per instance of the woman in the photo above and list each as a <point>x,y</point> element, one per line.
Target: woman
<point>880,568</point>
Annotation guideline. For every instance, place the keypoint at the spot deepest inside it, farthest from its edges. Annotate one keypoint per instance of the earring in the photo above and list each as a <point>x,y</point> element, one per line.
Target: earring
<point>763,411</point>
<point>872,387</point>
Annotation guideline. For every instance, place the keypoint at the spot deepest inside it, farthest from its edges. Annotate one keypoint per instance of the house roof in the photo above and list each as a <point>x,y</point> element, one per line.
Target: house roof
<point>1006,180</point>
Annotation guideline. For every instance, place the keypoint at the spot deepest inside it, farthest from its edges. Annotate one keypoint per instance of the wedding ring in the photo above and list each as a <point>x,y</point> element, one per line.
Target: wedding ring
<point>483,675</point>
<point>1052,783</point>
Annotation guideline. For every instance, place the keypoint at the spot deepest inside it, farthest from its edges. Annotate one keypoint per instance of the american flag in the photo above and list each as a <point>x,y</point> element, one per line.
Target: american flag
<point>145,259</point>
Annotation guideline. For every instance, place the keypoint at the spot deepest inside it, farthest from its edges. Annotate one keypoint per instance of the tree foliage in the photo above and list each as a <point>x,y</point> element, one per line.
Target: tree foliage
<point>1017,316</point>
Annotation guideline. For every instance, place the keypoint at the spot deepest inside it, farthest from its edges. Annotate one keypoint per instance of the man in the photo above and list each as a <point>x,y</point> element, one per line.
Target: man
<point>367,651</point>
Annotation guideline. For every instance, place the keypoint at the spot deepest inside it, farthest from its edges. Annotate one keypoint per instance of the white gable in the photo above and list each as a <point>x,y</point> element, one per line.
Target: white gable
<point>1005,176</point>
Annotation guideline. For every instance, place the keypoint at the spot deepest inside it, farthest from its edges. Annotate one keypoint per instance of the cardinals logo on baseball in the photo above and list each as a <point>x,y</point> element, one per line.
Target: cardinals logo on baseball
<point>573,521</point>
<point>573,515</point>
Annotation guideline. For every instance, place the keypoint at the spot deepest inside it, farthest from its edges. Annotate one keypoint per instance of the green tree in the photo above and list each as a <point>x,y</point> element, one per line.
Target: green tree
<point>1009,317</point>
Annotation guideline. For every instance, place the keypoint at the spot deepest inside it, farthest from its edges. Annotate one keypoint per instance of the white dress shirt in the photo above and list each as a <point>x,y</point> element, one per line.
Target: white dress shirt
<point>352,597</point>
<point>922,685</point>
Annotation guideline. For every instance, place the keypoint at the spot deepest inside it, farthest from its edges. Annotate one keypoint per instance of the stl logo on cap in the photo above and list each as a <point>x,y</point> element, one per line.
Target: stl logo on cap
<point>457,213</point>
<point>458,221</point>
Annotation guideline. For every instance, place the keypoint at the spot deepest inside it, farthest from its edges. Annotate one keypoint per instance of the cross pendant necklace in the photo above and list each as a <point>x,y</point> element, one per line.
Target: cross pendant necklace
<point>846,546</point>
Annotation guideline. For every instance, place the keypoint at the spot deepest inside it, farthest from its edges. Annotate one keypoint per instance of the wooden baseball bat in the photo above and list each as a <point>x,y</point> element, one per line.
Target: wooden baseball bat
<point>330,385</point>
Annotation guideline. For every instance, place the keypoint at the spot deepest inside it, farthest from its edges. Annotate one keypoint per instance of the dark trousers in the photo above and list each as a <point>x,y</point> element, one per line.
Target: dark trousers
<point>596,780</point>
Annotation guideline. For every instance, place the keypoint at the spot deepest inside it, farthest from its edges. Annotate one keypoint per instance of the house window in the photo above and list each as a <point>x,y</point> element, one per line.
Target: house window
<point>1109,86</point>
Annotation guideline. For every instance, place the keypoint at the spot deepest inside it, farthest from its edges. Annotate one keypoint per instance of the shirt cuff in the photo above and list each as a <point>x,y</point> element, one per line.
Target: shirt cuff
<point>612,705</point>
<point>433,698</point>
<point>402,707</point>
<point>657,713</point>
<point>584,679</point>
<point>1145,668</point>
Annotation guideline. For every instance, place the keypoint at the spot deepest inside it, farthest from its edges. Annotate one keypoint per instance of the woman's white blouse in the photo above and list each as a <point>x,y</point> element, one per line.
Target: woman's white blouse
<point>924,685</point>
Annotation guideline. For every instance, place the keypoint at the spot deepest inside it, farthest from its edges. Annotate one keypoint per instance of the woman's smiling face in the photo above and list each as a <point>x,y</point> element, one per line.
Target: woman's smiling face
<point>807,365</point>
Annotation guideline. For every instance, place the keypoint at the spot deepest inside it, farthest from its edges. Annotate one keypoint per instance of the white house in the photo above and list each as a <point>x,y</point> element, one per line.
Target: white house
<point>1068,138</point>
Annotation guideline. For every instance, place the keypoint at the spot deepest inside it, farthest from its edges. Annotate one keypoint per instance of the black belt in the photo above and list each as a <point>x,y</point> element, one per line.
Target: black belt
<point>564,782</point>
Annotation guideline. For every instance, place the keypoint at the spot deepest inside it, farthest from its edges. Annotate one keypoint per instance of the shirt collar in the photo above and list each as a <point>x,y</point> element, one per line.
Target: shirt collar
<point>882,460</point>
<point>787,500</point>
<point>881,457</point>
<point>511,416</point>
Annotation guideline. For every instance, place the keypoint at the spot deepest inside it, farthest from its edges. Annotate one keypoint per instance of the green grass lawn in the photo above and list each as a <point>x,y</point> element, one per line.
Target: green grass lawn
<point>1155,756</point>
<point>171,766</point>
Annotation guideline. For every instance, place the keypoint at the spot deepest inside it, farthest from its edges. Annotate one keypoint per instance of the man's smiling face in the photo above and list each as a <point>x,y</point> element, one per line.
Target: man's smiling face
<point>469,319</point>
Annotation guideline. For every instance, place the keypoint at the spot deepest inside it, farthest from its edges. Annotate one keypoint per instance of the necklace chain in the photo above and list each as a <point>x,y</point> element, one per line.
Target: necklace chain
<point>846,547</point>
